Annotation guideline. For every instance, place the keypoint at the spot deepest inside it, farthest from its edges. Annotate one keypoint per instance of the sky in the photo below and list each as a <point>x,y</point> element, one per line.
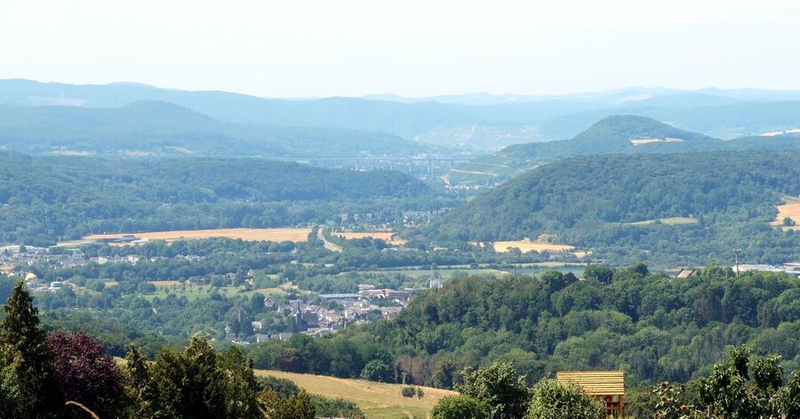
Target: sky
<point>413,48</point>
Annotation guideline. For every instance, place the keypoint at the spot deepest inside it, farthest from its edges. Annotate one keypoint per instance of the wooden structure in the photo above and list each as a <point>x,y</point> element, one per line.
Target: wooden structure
<point>608,386</point>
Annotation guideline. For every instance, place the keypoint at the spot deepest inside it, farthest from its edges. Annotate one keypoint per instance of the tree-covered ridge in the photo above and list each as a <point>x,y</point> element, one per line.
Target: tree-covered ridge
<point>629,134</point>
<point>44,199</point>
<point>651,326</point>
<point>611,204</point>
<point>160,128</point>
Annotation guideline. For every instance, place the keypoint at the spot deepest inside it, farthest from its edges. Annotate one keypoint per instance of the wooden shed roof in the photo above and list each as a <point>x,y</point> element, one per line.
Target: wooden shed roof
<point>596,383</point>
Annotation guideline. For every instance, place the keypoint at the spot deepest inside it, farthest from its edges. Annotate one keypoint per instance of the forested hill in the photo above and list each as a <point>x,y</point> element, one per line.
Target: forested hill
<point>48,198</point>
<point>152,128</point>
<point>624,207</point>
<point>617,134</point>
<point>614,134</point>
<point>651,326</point>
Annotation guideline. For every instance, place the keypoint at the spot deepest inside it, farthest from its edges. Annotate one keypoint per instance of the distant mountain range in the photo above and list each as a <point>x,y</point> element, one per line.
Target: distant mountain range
<point>477,122</point>
<point>151,128</point>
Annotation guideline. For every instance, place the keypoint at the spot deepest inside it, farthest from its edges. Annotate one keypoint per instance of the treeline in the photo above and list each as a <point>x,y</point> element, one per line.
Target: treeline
<point>65,375</point>
<point>651,326</point>
<point>45,199</point>
<point>622,206</point>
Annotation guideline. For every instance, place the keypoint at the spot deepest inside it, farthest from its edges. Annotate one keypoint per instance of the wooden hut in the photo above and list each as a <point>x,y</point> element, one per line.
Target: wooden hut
<point>608,386</point>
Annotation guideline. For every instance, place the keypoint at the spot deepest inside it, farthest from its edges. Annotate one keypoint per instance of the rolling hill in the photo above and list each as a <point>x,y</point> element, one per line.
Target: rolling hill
<point>474,121</point>
<point>46,199</point>
<point>628,134</point>
<point>163,129</point>
<point>612,204</point>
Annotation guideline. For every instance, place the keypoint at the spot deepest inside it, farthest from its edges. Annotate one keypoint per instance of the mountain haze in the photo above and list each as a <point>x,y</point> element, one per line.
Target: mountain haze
<point>471,121</point>
<point>161,128</point>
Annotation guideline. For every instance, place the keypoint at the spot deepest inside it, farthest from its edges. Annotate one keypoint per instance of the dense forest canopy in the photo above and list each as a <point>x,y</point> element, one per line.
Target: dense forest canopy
<point>651,326</point>
<point>45,199</point>
<point>620,207</point>
<point>630,134</point>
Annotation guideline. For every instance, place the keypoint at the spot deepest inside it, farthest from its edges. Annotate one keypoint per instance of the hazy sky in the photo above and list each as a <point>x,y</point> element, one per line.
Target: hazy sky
<point>302,48</point>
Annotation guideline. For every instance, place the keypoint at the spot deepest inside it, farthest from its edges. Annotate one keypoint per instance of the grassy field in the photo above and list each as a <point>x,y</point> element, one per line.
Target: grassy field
<point>376,400</point>
<point>249,234</point>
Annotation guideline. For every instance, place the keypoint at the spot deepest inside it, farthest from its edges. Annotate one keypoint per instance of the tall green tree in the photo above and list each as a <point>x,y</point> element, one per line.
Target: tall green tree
<point>190,383</point>
<point>140,389</point>
<point>554,400</point>
<point>499,386</point>
<point>241,389</point>
<point>26,381</point>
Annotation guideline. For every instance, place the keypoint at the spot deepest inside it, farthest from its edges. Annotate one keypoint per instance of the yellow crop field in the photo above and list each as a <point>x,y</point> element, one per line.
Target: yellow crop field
<point>526,245</point>
<point>791,209</point>
<point>376,400</point>
<point>387,236</point>
<point>249,234</point>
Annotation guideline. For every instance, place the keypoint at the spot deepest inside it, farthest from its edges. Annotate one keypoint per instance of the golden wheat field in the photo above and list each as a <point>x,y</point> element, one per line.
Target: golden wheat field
<point>248,234</point>
<point>376,400</point>
<point>526,245</point>
<point>791,210</point>
<point>387,236</point>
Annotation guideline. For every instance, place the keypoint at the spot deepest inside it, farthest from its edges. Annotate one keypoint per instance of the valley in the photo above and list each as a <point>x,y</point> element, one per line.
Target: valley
<point>351,255</point>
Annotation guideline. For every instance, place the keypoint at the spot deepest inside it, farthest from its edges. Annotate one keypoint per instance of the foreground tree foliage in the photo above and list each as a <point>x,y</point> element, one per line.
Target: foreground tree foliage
<point>85,373</point>
<point>26,384</point>
<point>743,387</point>
<point>554,400</point>
<point>499,386</point>
<point>498,390</point>
<point>60,375</point>
<point>196,383</point>
<point>460,407</point>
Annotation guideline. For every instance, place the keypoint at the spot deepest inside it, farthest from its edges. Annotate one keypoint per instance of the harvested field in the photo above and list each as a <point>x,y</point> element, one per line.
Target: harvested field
<point>673,221</point>
<point>526,245</point>
<point>791,209</point>
<point>376,400</point>
<point>248,234</point>
<point>387,236</point>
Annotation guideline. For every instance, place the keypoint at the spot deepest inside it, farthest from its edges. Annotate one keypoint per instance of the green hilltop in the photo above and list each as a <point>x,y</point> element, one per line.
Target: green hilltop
<point>629,134</point>
<point>611,204</point>
<point>45,199</point>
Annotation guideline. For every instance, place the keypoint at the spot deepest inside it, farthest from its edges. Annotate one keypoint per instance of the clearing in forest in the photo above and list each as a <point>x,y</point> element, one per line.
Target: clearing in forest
<point>791,210</point>
<point>376,400</point>
<point>672,221</point>
<point>526,245</point>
